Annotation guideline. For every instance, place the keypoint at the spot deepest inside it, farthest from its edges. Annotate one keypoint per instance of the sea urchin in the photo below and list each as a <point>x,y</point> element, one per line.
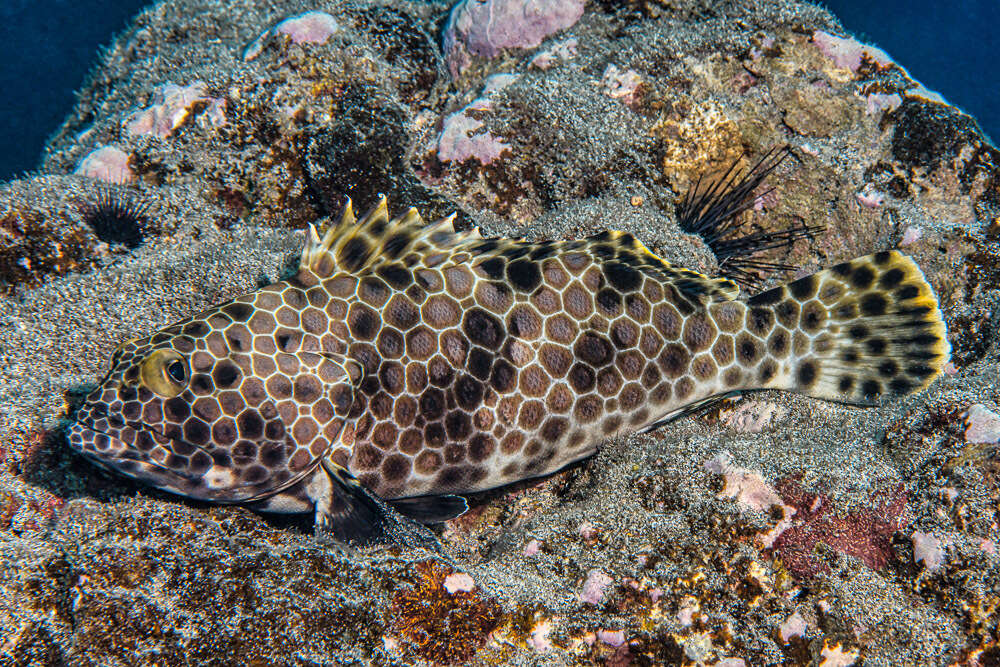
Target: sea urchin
<point>715,213</point>
<point>117,216</point>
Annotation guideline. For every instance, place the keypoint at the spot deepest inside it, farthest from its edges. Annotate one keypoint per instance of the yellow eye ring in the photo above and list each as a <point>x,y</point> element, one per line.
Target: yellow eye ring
<point>164,372</point>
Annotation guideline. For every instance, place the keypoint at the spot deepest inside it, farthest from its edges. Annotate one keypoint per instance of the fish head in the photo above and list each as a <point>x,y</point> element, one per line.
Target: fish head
<point>216,408</point>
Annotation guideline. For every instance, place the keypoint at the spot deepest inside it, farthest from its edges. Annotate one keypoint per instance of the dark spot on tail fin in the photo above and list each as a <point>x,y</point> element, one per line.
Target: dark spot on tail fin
<point>715,213</point>
<point>353,516</point>
<point>880,332</point>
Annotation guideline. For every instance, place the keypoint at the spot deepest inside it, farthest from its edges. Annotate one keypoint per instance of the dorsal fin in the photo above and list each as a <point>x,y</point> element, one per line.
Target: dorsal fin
<point>607,248</point>
<point>623,247</point>
<point>355,246</point>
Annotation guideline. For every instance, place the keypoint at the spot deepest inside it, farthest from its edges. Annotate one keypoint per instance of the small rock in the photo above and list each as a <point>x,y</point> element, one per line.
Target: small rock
<point>589,532</point>
<point>685,615</point>
<point>928,550</point>
<point>539,638</point>
<point>464,137</point>
<point>747,487</point>
<point>562,52</point>
<point>911,235</point>
<point>834,655</point>
<point>793,626</point>
<point>484,27</point>
<point>172,107</point>
<point>612,637</point>
<point>877,102</point>
<point>308,28</point>
<point>751,416</point>
<point>869,197</point>
<point>622,85</point>
<point>459,581</point>
<point>847,52</point>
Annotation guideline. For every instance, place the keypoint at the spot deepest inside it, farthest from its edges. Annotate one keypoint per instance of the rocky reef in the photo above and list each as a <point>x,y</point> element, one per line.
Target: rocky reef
<point>780,529</point>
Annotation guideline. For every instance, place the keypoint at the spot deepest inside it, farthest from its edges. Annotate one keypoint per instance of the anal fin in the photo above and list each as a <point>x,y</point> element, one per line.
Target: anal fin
<point>696,408</point>
<point>352,515</point>
<point>431,509</point>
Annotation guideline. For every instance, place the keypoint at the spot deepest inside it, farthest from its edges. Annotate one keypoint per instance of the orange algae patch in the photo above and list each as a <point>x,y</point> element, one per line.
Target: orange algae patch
<point>442,627</point>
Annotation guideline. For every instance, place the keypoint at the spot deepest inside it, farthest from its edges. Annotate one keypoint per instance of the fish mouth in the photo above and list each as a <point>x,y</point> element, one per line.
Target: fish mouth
<point>112,453</point>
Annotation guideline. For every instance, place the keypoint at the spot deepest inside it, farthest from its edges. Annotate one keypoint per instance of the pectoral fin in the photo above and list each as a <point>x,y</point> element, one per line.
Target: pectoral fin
<point>352,515</point>
<point>431,509</point>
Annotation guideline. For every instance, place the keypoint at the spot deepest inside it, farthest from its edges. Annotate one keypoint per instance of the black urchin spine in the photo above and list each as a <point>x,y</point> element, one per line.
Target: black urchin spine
<point>715,213</point>
<point>117,215</point>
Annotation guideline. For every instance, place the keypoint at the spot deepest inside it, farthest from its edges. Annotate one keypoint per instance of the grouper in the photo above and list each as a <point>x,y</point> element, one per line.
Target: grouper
<point>408,364</point>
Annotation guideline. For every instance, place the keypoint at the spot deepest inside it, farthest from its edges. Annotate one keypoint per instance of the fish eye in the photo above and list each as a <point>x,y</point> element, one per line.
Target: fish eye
<point>176,370</point>
<point>164,372</point>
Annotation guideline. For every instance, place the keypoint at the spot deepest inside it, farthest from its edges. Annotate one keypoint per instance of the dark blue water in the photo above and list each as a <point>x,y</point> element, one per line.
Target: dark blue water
<point>47,47</point>
<point>950,46</point>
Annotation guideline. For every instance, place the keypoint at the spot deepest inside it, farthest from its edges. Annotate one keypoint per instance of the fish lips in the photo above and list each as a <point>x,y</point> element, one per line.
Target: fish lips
<point>116,455</point>
<point>216,484</point>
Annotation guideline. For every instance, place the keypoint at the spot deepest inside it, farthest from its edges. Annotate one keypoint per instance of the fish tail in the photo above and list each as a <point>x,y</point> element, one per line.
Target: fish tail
<point>855,333</point>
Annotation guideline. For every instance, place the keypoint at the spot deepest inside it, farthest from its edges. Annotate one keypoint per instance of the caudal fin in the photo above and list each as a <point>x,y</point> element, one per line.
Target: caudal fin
<point>858,332</point>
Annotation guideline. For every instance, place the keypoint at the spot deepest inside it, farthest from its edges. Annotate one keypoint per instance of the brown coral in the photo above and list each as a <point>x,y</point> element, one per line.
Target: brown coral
<point>442,627</point>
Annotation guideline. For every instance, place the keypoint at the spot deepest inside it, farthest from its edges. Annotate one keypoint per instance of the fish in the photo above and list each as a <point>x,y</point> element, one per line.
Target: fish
<point>407,365</point>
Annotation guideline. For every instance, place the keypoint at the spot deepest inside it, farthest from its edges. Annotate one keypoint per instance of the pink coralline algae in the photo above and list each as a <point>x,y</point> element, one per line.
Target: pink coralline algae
<point>865,534</point>
<point>876,102</point>
<point>611,637</point>
<point>459,582</point>
<point>911,235</point>
<point>847,52</point>
<point>464,135</point>
<point>746,486</point>
<point>172,106</point>
<point>593,588</point>
<point>928,550</point>
<point>751,416</point>
<point>106,163</point>
<point>539,639</point>
<point>835,655</point>
<point>751,490</point>
<point>793,626</point>
<point>625,86</point>
<point>562,52</point>
<point>484,27</point>
<point>308,28</point>
<point>869,197</point>
<point>981,425</point>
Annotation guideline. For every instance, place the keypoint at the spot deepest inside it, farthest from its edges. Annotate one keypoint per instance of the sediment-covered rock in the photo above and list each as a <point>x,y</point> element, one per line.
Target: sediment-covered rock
<point>782,530</point>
